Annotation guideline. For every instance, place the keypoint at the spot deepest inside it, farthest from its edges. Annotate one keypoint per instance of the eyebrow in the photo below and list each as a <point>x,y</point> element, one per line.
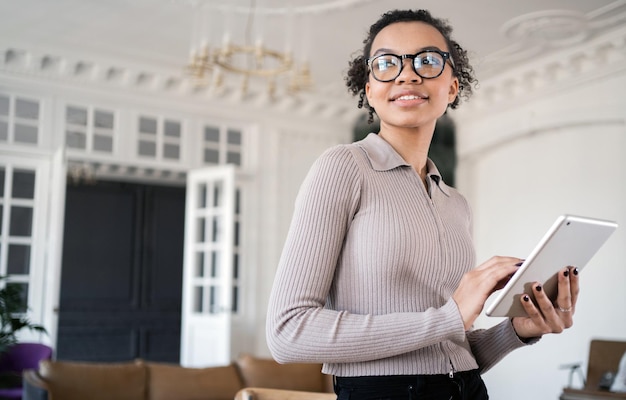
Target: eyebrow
<point>385,50</point>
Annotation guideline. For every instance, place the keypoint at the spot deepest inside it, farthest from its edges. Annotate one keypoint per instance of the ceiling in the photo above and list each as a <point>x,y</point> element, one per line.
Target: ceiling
<point>156,35</point>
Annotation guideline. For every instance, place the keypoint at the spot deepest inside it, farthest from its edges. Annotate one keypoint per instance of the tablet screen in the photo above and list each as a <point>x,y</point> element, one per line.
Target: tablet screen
<point>571,241</point>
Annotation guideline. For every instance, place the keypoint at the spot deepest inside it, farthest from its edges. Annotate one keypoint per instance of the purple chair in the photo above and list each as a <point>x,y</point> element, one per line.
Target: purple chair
<point>19,357</point>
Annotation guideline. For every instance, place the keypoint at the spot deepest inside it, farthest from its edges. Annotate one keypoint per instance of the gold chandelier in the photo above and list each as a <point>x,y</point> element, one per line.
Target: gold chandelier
<point>211,63</point>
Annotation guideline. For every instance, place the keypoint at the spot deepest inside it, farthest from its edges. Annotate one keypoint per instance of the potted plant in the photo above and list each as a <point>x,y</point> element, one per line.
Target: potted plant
<point>13,316</point>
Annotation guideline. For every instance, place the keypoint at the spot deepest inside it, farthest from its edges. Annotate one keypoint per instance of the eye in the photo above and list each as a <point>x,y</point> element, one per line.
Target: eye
<point>429,60</point>
<point>384,63</point>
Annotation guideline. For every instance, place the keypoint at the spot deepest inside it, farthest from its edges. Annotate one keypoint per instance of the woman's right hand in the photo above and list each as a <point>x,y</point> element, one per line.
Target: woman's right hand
<point>478,284</point>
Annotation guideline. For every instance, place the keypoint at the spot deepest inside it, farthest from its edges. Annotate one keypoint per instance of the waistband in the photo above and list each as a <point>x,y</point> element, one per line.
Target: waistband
<point>385,380</point>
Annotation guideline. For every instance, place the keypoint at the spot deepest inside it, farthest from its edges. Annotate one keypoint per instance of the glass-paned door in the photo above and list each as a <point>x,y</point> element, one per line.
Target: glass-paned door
<point>209,273</point>
<point>22,230</point>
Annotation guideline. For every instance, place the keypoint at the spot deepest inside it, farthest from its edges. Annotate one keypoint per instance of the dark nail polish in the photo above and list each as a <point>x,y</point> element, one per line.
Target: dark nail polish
<point>575,271</point>
<point>538,288</point>
<point>519,264</point>
<point>526,298</point>
<point>566,273</point>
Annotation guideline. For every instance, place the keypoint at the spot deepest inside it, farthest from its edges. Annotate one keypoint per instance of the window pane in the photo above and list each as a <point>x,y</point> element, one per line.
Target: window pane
<point>4,105</point>
<point>21,221</point>
<point>103,119</point>
<point>211,156</point>
<point>234,137</point>
<point>216,229</point>
<point>171,151</point>
<point>1,183</point>
<point>235,266</point>
<point>22,289</point>
<point>4,131</point>
<point>213,305</point>
<point>172,129</point>
<point>76,140</point>
<point>25,133</point>
<point>233,158</point>
<point>217,194</point>
<point>103,143</point>
<point>199,270</point>
<point>147,148</point>
<point>215,259</point>
<point>198,296</point>
<point>200,233</point>
<point>237,201</point>
<point>147,125</point>
<point>76,116</point>
<point>235,299</point>
<point>18,261</point>
<point>202,196</point>
<point>27,109</point>
<point>211,134</point>
<point>23,184</point>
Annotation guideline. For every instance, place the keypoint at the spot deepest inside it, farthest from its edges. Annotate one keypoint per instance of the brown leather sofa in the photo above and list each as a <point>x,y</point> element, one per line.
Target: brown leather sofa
<point>142,380</point>
<point>281,394</point>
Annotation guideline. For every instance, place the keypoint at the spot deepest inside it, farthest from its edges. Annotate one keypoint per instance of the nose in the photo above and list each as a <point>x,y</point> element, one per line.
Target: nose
<point>407,73</point>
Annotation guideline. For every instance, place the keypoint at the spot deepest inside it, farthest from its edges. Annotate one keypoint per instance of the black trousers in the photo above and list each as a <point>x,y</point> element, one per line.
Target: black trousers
<point>466,385</point>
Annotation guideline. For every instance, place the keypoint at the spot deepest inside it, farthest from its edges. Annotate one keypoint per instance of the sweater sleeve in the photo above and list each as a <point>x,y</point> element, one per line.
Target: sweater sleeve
<point>299,326</point>
<point>489,346</point>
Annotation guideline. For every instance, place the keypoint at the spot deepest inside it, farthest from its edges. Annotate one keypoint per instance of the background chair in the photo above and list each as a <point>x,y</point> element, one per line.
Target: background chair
<point>604,356</point>
<point>14,361</point>
<point>280,394</point>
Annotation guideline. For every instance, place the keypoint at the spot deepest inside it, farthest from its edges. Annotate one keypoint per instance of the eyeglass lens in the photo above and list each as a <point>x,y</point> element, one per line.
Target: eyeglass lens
<point>427,64</point>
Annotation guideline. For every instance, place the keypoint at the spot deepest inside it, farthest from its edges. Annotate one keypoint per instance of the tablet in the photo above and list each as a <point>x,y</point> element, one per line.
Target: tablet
<point>571,241</point>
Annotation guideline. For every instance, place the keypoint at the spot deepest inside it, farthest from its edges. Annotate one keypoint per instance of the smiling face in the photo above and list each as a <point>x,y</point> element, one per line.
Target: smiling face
<point>410,101</point>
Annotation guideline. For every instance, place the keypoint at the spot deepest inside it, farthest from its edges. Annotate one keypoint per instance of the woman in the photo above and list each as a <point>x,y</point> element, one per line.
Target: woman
<point>376,279</point>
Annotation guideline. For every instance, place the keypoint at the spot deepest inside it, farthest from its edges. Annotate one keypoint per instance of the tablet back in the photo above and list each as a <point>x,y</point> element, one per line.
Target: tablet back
<point>571,241</point>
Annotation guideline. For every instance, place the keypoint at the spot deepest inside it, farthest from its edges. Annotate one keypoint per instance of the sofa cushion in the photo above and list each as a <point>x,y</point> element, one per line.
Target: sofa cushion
<point>82,380</point>
<point>267,373</point>
<point>170,381</point>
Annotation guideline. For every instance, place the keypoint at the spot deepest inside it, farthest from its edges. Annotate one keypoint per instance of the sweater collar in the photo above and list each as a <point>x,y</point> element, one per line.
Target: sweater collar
<point>383,157</point>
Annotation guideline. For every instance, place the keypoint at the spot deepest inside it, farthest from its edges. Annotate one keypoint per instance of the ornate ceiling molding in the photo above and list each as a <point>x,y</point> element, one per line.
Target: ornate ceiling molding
<point>308,7</point>
<point>564,62</point>
<point>108,76</point>
<point>537,35</point>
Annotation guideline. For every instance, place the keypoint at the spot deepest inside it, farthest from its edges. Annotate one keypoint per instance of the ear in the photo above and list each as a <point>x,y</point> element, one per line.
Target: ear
<point>367,91</point>
<point>454,90</point>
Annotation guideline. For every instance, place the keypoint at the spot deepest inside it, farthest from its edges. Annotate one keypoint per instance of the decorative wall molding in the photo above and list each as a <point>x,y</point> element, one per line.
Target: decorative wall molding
<point>114,77</point>
<point>551,71</point>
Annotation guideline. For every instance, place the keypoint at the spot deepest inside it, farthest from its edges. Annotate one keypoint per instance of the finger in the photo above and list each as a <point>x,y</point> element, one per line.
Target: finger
<point>502,269</point>
<point>574,286</point>
<point>533,312</point>
<point>564,298</point>
<point>556,320</point>
<point>499,261</point>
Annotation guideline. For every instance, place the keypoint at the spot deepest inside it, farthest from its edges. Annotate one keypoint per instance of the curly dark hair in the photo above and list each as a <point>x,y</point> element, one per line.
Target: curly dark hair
<point>358,73</point>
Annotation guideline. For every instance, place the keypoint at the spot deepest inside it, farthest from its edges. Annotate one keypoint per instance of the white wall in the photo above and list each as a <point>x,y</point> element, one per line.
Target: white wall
<point>289,148</point>
<point>522,162</point>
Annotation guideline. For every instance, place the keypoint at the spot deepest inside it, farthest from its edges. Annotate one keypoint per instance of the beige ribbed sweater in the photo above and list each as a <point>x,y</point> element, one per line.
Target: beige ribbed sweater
<point>368,269</point>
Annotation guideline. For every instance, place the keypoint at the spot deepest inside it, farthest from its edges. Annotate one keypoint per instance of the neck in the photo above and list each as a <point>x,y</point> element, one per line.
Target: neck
<point>411,144</point>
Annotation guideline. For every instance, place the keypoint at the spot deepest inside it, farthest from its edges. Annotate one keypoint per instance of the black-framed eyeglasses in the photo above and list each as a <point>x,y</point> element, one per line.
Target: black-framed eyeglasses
<point>428,64</point>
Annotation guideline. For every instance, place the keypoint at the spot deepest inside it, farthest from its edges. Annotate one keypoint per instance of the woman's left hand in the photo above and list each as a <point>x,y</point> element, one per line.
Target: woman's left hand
<point>546,316</point>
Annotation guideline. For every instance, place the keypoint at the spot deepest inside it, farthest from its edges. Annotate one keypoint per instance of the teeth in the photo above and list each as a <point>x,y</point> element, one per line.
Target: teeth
<point>411,97</point>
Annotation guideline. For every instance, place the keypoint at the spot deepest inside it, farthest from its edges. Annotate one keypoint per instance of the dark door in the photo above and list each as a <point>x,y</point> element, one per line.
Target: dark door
<point>121,277</point>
